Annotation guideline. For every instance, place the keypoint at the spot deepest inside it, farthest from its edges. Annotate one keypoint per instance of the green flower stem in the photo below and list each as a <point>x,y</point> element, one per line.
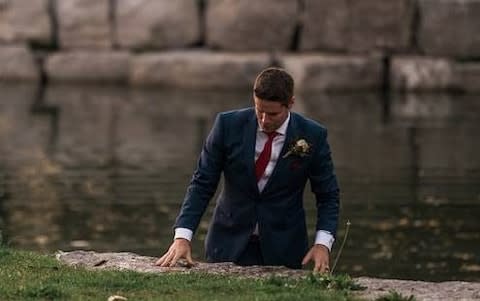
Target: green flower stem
<point>341,247</point>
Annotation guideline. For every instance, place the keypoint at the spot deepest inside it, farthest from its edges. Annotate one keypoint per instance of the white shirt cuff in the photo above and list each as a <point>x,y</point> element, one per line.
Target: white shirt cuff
<point>183,233</point>
<point>324,238</point>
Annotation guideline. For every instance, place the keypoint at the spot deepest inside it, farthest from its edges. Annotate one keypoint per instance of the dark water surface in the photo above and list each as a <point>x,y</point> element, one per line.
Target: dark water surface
<point>105,168</point>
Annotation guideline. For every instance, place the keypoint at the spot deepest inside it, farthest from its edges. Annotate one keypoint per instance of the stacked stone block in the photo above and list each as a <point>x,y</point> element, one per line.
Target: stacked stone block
<point>24,21</point>
<point>157,24</point>
<point>357,26</point>
<point>404,45</point>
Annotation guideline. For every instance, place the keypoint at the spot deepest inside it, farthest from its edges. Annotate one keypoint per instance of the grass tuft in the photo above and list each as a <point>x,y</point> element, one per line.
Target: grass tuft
<point>4,252</point>
<point>2,240</point>
<point>340,282</point>
<point>49,292</point>
<point>278,281</point>
<point>394,296</point>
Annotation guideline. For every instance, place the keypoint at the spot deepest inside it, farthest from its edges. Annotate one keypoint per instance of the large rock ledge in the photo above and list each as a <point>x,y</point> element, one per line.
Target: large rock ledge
<point>453,290</point>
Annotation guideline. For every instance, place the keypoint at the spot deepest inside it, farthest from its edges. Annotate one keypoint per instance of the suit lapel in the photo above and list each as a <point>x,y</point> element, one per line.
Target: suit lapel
<point>249,139</point>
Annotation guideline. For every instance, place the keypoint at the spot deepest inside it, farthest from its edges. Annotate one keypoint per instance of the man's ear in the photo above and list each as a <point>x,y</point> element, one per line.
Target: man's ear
<point>291,102</point>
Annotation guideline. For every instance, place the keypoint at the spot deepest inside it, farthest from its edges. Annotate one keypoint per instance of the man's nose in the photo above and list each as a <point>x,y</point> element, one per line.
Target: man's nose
<point>264,117</point>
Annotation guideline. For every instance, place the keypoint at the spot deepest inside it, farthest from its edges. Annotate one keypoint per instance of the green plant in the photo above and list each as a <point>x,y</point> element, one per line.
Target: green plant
<point>3,240</point>
<point>4,251</point>
<point>341,282</point>
<point>49,292</point>
<point>277,281</point>
<point>341,247</point>
<point>394,296</point>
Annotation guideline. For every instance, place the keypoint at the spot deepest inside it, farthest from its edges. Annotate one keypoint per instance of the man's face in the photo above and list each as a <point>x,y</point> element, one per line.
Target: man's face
<point>271,114</point>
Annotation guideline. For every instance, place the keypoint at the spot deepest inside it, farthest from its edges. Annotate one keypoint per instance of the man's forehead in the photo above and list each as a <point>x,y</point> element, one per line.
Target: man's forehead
<point>266,102</point>
<point>269,106</point>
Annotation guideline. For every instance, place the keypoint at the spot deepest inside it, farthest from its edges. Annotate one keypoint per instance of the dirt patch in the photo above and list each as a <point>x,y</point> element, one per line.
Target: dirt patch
<point>423,291</point>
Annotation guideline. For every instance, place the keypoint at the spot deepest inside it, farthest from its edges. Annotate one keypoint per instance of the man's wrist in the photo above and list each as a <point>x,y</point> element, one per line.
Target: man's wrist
<point>183,233</point>
<point>324,247</point>
<point>325,239</point>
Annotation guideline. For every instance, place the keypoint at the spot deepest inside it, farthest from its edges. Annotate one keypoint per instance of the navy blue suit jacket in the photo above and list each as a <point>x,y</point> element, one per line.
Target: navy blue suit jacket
<point>278,209</point>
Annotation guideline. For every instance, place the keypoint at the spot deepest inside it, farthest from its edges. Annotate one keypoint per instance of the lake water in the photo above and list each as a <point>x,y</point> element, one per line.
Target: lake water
<point>105,168</point>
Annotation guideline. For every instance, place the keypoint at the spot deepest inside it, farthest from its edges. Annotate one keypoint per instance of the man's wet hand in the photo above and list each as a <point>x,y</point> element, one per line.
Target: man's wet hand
<point>180,248</point>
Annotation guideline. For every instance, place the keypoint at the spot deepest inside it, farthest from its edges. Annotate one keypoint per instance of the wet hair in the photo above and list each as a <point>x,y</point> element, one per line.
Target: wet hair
<point>274,84</point>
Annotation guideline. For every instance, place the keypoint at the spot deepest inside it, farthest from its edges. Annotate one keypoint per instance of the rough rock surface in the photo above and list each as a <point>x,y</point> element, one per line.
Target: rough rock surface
<point>82,66</point>
<point>414,73</point>
<point>421,74</point>
<point>84,23</point>
<point>423,291</point>
<point>25,20</point>
<point>357,26</point>
<point>131,261</point>
<point>157,23</point>
<point>467,77</point>
<point>317,72</point>
<point>449,28</point>
<point>197,69</point>
<point>241,25</point>
<point>17,63</point>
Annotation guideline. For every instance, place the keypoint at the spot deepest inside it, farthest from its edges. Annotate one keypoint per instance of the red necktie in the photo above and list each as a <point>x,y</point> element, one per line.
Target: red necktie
<point>264,157</point>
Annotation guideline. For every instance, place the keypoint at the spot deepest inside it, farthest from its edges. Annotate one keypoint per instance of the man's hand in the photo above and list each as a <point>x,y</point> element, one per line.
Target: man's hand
<point>180,248</point>
<point>320,256</point>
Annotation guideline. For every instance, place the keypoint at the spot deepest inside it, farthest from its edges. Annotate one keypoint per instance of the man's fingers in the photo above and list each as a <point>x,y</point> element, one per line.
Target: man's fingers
<point>167,260</point>
<point>323,268</point>
<point>320,256</point>
<point>162,259</point>
<point>189,258</point>
<point>317,268</point>
<point>175,259</point>
<point>170,259</point>
<point>180,248</point>
<point>326,269</point>
<point>307,258</point>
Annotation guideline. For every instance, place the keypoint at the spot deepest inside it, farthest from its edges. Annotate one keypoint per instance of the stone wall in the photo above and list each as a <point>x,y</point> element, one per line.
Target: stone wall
<point>328,45</point>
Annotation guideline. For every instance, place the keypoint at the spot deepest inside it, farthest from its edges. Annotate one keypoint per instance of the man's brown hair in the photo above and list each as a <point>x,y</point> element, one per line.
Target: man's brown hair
<point>274,84</point>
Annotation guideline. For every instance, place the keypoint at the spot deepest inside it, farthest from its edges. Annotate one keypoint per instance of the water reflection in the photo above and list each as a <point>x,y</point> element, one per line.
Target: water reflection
<point>105,168</point>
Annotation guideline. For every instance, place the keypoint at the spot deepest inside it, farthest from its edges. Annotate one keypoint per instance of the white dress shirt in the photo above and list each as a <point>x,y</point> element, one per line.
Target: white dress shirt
<point>322,237</point>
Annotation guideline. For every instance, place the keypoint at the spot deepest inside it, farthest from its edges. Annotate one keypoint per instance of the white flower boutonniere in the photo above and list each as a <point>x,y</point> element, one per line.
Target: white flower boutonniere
<point>300,148</point>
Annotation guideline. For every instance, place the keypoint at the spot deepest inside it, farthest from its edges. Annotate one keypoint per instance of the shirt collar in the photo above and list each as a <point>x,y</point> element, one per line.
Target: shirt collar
<point>282,130</point>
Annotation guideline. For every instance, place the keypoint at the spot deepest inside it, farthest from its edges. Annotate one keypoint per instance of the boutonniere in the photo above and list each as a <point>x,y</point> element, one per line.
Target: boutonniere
<point>299,148</point>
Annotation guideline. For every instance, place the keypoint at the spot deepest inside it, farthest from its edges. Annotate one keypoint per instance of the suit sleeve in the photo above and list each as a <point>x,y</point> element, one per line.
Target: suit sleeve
<point>324,185</point>
<point>205,179</point>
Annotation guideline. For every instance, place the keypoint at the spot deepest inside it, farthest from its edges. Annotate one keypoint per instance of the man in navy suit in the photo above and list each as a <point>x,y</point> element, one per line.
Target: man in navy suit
<point>266,153</point>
